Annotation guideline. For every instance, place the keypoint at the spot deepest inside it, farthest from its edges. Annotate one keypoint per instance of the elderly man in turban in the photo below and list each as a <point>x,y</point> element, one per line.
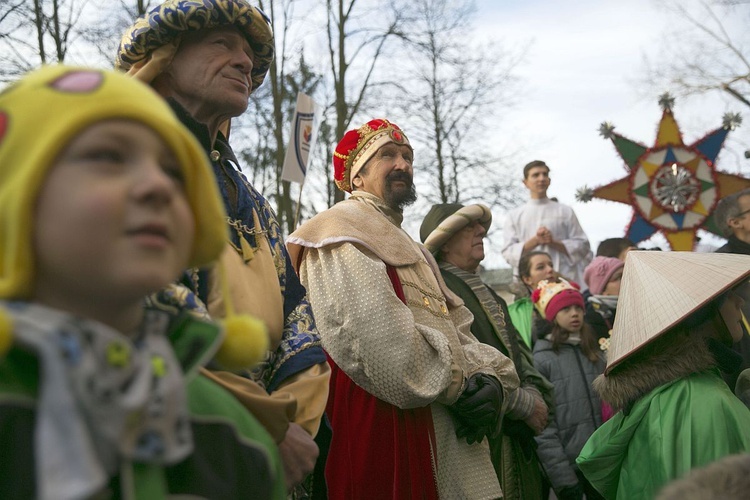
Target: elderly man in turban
<point>413,393</point>
<point>454,233</point>
<point>206,58</point>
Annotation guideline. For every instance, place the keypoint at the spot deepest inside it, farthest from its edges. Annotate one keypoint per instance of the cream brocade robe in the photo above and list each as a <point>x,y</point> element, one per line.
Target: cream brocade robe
<point>410,355</point>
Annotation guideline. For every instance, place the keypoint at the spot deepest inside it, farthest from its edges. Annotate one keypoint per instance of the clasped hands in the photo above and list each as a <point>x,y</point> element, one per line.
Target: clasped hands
<point>544,236</point>
<point>478,408</point>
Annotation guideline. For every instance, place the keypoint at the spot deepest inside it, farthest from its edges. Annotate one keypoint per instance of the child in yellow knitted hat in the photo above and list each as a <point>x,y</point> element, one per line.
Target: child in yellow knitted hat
<point>106,199</point>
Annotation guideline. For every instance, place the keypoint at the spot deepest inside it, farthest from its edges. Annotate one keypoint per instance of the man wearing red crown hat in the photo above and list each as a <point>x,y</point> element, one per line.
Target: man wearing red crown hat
<point>413,394</point>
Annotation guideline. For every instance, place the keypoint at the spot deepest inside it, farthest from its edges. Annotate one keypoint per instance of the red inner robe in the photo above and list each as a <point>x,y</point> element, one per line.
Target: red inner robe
<point>378,451</point>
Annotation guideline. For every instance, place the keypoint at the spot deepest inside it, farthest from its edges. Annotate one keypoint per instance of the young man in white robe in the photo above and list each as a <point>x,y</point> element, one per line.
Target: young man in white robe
<point>547,225</point>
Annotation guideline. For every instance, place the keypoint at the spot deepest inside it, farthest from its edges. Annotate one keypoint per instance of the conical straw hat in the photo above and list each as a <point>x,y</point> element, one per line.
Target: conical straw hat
<point>659,289</point>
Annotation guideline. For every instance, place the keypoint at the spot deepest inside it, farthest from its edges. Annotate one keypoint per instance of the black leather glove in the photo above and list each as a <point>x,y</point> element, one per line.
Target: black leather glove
<point>571,493</point>
<point>480,403</point>
<point>471,433</point>
<point>478,408</point>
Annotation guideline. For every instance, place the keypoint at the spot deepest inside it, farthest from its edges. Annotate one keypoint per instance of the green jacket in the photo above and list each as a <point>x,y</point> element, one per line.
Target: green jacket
<point>521,313</point>
<point>680,425</point>
<point>233,455</point>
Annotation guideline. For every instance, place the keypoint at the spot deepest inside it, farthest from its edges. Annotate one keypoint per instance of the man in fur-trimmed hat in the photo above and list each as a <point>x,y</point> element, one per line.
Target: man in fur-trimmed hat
<point>206,58</point>
<point>454,233</point>
<point>413,393</point>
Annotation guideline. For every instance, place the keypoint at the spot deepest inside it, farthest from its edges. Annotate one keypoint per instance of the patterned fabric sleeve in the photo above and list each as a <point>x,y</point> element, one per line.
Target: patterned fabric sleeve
<point>300,347</point>
<point>370,333</point>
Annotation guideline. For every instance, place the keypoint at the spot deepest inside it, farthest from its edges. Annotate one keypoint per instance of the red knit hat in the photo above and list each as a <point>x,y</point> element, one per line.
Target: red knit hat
<point>358,146</point>
<point>551,296</point>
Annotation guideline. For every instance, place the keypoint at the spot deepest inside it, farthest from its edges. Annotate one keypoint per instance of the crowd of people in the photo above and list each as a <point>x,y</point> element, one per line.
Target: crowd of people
<point>160,338</point>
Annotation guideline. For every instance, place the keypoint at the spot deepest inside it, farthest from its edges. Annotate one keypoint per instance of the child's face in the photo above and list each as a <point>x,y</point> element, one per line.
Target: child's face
<point>112,217</point>
<point>540,268</point>
<point>570,318</point>
<point>613,285</point>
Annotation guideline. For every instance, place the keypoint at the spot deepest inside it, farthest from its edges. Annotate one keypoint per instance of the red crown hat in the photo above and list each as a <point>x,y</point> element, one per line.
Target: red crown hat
<point>358,146</point>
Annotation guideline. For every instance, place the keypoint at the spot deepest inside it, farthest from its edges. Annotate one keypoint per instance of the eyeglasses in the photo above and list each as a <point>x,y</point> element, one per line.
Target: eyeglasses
<point>741,214</point>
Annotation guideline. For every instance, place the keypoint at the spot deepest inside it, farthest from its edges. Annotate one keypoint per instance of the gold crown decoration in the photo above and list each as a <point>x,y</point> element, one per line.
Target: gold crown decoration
<point>358,145</point>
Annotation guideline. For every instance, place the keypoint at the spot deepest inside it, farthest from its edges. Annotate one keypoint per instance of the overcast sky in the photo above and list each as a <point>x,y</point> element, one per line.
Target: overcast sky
<point>585,59</point>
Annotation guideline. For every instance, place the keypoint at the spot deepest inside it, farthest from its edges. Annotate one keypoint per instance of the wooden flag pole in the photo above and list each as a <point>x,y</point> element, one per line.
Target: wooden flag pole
<point>299,203</point>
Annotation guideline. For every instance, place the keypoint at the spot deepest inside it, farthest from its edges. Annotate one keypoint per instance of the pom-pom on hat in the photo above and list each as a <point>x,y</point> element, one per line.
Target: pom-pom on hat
<point>163,25</point>
<point>660,289</point>
<point>446,219</point>
<point>598,273</point>
<point>551,296</point>
<point>358,146</point>
<point>42,113</point>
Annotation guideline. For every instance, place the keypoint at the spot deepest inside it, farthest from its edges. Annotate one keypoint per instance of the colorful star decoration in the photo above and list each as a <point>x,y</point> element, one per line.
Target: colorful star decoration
<point>672,187</point>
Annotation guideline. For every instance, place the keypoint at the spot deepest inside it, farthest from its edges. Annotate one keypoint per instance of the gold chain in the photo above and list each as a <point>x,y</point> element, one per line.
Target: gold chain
<point>239,226</point>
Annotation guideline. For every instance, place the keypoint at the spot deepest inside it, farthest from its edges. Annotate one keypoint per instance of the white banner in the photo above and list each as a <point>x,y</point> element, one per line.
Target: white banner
<point>301,140</point>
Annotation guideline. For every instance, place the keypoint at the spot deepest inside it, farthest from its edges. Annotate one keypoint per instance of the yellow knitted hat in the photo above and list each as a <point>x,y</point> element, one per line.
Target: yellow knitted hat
<point>42,113</point>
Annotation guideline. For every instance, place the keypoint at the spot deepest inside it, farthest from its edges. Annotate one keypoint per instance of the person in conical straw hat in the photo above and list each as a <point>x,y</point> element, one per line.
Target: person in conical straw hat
<point>678,315</point>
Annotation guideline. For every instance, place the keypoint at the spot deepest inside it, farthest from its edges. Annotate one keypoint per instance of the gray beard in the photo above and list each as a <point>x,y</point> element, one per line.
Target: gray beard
<point>398,200</point>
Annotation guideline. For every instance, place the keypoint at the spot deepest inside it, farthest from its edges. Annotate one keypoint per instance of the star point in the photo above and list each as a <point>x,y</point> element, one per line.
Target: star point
<point>732,120</point>
<point>606,130</point>
<point>672,187</point>
<point>666,101</point>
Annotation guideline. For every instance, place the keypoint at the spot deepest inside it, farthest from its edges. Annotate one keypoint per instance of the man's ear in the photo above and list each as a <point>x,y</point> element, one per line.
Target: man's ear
<point>357,181</point>
<point>733,222</point>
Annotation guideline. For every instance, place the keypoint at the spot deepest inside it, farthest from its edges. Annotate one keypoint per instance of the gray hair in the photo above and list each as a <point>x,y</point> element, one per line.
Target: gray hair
<point>727,208</point>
